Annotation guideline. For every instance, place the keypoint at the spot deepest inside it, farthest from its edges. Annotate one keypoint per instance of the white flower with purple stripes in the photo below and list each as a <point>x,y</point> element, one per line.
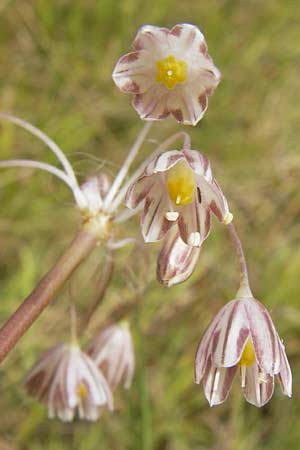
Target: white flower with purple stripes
<point>176,261</point>
<point>178,189</point>
<point>112,351</point>
<point>242,337</point>
<point>169,72</point>
<point>68,381</point>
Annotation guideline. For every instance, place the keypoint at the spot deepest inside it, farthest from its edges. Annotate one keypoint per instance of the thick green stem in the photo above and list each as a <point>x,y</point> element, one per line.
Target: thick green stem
<point>47,289</point>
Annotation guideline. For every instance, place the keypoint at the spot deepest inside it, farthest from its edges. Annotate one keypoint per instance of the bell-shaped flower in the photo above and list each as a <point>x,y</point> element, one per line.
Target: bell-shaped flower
<point>112,351</point>
<point>178,189</point>
<point>68,381</point>
<point>176,261</point>
<point>169,72</point>
<point>242,338</point>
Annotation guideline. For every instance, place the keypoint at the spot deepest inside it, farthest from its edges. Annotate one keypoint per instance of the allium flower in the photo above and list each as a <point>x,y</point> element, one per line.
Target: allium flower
<point>68,380</point>
<point>178,189</point>
<point>176,261</point>
<point>242,337</point>
<point>169,72</point>
<point>112,351</point>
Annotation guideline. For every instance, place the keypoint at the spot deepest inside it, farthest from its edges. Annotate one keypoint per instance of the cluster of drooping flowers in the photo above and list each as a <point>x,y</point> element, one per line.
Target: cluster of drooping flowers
<point>70,380</point>
<point>170,73</point>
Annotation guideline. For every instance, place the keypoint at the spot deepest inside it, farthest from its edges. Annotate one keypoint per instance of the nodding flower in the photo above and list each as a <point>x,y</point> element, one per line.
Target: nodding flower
<point>112,351</point>
<point>169,72</point>
<point>177,189</point>
<point>176,261</point>
<point>69,381</point>
<point>242,338</point>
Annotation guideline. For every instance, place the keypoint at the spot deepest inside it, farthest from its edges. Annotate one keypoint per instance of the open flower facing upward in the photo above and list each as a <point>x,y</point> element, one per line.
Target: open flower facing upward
<point>242,337</point>
<point>68,380</point>
<point>169,72</point>
<point>112,351</point>
<point>178,189</point>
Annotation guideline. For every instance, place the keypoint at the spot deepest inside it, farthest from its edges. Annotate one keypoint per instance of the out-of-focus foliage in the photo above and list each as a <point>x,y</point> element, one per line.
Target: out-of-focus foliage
<point>56,59</point>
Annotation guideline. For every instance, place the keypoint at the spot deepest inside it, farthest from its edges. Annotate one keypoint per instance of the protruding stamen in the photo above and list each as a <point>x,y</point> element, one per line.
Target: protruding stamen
<point>181,183</point>
<point>172,216</point>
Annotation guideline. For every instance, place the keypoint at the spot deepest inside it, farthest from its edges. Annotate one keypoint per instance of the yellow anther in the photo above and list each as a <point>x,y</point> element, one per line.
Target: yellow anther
<point>171,71</point>
<point>181,184</point>
<point>82,390</point>
<point>248,355</point>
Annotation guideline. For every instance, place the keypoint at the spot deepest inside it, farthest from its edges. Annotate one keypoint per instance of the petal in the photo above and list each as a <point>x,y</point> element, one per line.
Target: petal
<point>138,191</point>
<point>134,72</point>
<point>152,104</point>
<point>206,343</point>
<point>264,336</point>
<point>194,222</point>
<point>217,383</point>
<point>257,392</point>
<point>199,163</point>
<point>285,375</point>
<point>176,261</point>
<point>186,36</point>
<point>153,222</point>
<point>230,335</point>
<point>165,161</point>
<point>178,104</point>
<point>213,196</point>
<point>154,39</point>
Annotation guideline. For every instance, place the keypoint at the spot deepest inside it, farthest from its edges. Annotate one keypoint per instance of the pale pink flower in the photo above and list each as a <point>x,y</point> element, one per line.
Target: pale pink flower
<point>112,351</point>
<point>242,337</point>
<point>178,189</point>
<point>176,261</point>
<point>68,381</point>
<point>169,72</point>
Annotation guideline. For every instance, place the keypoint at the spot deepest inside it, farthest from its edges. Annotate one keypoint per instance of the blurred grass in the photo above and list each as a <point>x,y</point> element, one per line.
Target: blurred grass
<point>56,59</point>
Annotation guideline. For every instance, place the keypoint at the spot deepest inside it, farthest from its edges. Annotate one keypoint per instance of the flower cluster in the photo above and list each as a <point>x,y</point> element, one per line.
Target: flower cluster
<point>70,380</point>
<point>169,73</point>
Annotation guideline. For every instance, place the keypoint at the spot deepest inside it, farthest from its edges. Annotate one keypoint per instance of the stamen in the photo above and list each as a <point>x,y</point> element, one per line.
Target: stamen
<point>243,375</point>
<point>171,71</point>
<point>172,216</point>
<point>181,184</point>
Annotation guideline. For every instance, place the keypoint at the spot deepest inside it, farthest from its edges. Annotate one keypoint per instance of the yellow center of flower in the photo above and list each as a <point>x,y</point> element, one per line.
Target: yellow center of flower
<point>171,71</point>
<point>181,183</point>
<point>82,390</point>
<point>248,355</point>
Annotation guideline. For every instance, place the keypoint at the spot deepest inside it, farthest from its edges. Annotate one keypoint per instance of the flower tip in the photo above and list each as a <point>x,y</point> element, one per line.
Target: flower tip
<point>194,239</point>
<point>228,218</point>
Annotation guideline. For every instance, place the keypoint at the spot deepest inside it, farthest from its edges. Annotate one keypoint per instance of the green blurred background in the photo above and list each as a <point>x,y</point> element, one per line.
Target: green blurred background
<point>56,59</point>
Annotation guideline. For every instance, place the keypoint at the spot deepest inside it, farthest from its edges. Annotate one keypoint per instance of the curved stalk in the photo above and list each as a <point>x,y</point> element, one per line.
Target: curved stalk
<point>128,161</point>
<point>79,197</point>
<point>244,290</point>
<point>44,138</point>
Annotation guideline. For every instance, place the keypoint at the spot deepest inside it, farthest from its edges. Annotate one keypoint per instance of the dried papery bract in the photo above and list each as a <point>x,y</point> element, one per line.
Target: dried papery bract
<point>68,381</point>
<point>178,189</point>
<point>169,72</point>
<point>242,338</point>
<point>112,350</point>
<point>176,261</point>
